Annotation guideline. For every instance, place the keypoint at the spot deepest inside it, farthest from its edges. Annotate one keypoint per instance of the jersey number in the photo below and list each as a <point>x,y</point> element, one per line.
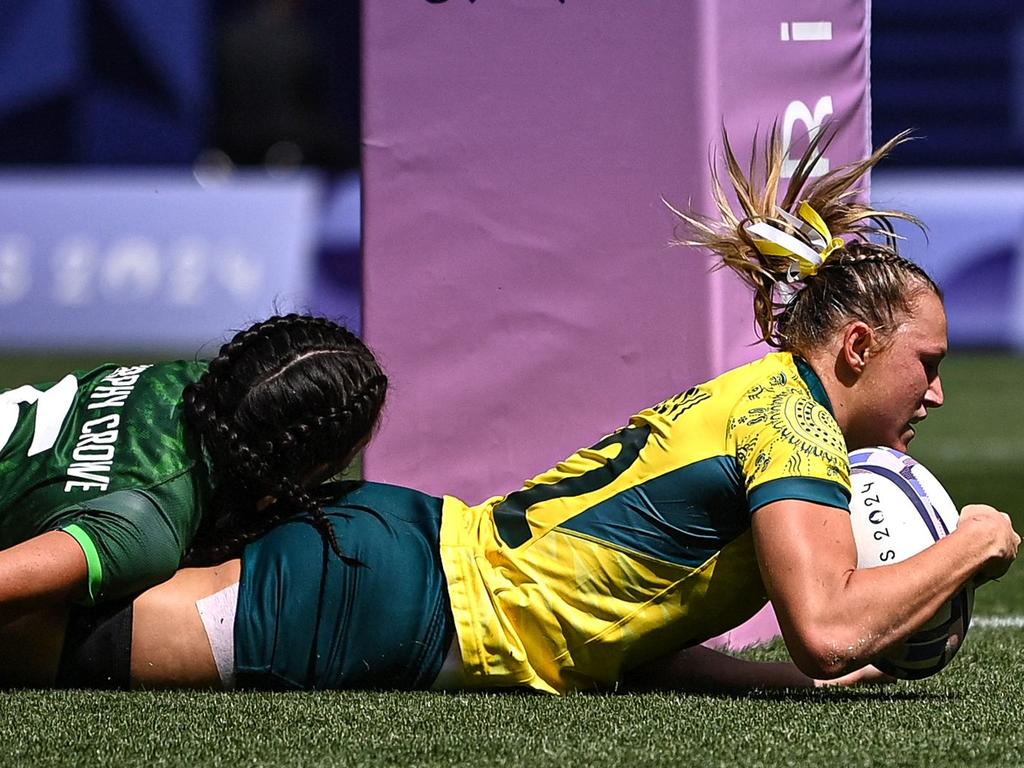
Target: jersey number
<point>510,514</point>
<point>52,408</point>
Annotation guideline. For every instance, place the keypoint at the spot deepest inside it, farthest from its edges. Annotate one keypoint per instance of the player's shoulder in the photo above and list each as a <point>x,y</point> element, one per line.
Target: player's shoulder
<point>124,374</point>
<point>175,370</point>
<point>173,375</point>
<point>782,394</point>
<point>740,389</point>
<point>775,378</point>
<point>788,406</point>
<point>127,387</point>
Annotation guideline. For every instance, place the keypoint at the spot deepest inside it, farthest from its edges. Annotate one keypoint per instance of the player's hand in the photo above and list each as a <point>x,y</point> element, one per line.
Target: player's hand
<point>993,530</point>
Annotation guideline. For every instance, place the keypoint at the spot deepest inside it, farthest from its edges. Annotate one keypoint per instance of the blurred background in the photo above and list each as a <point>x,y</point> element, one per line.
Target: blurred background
<point>170,171</point>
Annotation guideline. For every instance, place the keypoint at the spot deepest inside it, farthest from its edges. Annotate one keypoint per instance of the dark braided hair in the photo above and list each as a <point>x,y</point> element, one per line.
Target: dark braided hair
<point>286,403</point>
<point>865,278</point>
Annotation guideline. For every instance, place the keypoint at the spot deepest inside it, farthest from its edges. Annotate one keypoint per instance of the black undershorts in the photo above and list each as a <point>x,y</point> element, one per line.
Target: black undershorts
<point>98,647</point>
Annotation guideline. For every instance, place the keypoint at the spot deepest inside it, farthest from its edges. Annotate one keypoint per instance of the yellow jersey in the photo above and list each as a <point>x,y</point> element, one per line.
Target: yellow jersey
<point>641,544</point>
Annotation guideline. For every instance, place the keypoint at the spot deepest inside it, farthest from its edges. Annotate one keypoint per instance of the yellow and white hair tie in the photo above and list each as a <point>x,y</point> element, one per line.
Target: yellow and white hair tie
<point>807,247</point>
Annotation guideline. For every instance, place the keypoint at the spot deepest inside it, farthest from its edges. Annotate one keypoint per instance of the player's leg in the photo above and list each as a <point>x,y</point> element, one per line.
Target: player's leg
<point>97,647</point>
<point>30,647</point>
<point>181,630</point>
<point>154,640</point>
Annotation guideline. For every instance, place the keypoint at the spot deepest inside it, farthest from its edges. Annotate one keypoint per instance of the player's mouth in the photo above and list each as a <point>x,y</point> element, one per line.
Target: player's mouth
<point>910,428</point>
<point>904,437</point>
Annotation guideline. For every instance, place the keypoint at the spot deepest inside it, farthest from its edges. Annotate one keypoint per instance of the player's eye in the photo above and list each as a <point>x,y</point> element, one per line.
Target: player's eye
<point>931,366</point>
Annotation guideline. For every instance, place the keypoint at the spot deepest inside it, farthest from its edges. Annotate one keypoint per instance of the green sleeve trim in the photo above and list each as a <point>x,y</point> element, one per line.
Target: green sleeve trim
<point>813,489</point>
<point>92,559</point>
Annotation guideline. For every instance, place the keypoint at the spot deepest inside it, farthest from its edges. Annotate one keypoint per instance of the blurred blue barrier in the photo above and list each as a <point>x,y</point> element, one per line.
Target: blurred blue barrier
<point>974,247</point>
<point>157,259</point>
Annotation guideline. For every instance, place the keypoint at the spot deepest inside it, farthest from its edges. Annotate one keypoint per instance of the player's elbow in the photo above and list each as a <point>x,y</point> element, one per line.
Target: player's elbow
<point>823,652</point>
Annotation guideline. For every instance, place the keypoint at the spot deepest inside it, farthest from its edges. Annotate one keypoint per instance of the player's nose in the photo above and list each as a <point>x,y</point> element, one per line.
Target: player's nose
<point>934,397</point>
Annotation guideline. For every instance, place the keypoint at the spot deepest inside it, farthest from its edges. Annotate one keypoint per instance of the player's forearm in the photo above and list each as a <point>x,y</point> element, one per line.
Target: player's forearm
<point>705,670</point>
<point>836,617</point>
<point>839,628</point>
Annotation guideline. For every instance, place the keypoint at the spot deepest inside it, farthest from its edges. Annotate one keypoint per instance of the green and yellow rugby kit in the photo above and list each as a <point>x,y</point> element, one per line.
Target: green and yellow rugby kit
<point>640,544</point>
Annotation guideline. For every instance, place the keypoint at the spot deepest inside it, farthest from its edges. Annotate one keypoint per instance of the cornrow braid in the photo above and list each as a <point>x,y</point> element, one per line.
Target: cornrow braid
<point>285,403</point>
<point>865,279</point>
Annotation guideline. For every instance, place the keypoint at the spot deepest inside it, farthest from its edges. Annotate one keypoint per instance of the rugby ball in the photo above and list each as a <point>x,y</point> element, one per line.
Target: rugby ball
<point>898,509</point>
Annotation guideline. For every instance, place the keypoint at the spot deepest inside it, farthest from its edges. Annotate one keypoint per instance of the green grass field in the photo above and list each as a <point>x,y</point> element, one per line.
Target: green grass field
<point>968,715</point>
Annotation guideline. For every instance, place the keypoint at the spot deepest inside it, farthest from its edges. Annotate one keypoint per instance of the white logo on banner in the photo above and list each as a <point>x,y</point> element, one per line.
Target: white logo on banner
<point>798,112</point>
<point>73,264</point>
<point>15,269</point>
<point>240,275</point>
<point>189,270</point>
<point>131,269</point>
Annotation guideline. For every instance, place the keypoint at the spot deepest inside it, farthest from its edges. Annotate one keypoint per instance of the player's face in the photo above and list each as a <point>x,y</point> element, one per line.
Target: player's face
<point>902,376</point>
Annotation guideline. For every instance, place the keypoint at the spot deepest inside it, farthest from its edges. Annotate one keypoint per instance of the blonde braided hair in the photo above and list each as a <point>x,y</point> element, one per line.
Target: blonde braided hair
<point>865,278</point>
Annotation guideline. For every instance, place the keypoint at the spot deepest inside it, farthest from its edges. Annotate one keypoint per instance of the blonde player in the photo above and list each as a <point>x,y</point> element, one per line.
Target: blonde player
<point>614,565</point>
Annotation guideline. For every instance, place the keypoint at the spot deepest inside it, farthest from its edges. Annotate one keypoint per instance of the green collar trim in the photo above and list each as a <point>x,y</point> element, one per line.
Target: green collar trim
<point>813,383</point>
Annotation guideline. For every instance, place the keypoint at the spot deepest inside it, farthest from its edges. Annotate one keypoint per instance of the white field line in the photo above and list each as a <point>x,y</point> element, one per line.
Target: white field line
<point>997,622</point>
<point>995,450</point>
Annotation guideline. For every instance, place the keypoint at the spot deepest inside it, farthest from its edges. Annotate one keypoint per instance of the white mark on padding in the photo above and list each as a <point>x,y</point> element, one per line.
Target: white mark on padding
<point>805,31</point>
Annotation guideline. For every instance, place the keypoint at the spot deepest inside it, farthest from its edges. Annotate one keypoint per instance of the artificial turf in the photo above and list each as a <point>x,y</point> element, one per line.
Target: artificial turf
<point>969,714</point>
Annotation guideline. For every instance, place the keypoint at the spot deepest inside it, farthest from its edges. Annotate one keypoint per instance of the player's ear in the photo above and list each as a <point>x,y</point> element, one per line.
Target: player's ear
<point>858,345</point>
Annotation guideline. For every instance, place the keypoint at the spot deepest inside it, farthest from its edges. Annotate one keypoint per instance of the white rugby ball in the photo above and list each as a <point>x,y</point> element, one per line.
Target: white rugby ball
<point>898,509</point>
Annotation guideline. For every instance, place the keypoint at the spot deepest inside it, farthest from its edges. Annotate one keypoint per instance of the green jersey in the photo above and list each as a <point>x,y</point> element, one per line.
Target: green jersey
<point>104,456</point>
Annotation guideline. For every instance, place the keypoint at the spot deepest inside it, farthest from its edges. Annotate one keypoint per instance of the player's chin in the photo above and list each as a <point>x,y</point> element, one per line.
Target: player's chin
<point>899,439</point>
<point>903,441</point>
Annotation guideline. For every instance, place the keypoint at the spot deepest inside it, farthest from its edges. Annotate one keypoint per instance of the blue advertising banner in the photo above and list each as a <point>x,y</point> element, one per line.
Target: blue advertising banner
<point>149,259</point>
<point>974,247</point>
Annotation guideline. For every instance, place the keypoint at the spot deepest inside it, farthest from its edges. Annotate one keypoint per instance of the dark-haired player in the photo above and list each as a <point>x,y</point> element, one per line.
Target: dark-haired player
<point>105,475</point>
